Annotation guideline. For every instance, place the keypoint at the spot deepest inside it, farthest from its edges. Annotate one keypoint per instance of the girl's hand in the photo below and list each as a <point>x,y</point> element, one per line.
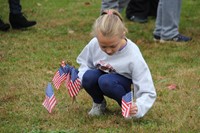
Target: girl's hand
<point>133,110</point>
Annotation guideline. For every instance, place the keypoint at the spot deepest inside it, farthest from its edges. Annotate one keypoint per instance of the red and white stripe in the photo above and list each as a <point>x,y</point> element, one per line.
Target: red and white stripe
<point>49,103</point>
<point>74,87</point>
<point>57,79</point>
<point>126,108</point>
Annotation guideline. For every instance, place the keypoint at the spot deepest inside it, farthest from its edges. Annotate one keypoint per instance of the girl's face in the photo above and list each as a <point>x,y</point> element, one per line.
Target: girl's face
<point>110,45</point>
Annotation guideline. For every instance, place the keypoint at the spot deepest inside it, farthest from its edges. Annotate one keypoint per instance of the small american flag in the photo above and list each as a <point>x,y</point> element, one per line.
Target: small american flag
<point>59,77</point>
<point>126,104</point>
<point>50,100</point>
<point>67,70</point>
<point>74,84</point>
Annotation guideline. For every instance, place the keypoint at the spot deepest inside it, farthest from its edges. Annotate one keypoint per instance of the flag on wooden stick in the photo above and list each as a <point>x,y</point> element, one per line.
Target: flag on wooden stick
<point>58,78</point>
<point>50,99</point>
<point>127,101</point>
<point>74,84</point>
<point>61,75</point>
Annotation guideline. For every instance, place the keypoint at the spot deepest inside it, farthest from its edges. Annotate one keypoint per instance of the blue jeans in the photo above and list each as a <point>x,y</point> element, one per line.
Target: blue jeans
<point>99,84</point>
<point>167,21</point>
<point>114,4</point>
<point>15,7</point>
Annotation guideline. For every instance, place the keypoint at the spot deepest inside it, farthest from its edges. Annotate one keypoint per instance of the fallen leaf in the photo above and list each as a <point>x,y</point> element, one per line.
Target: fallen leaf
<point>87,3</point>
<point>172,86</point>
<point>139,42</point>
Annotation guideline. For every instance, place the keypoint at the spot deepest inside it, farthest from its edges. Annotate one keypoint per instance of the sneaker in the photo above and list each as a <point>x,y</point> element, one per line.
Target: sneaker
<point>156,38</point>
<point>4,26</point>
<point>178,38</point>
<point>18,21</point>
<point>139,20</point>
<point>98,109</point>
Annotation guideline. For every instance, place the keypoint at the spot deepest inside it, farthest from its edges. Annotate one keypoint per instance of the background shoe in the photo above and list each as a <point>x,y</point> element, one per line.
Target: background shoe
<point>98,109</point>
<point>181,38</point>
<point>178,38</point>
<point>156,38</point>
<point>139,20</point>
<point>18,21</point>
<point>4,26</point>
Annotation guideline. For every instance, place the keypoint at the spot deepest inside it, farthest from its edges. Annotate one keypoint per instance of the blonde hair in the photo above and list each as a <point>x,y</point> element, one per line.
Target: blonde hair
<point>109,24</point>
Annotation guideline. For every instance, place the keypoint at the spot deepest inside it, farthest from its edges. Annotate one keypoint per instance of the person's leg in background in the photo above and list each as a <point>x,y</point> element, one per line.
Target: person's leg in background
<point>153,8</point>
<point>118,5</point>
<point>109,4</point>
<point>158,23</point>
<point>14,6</point>
<point>167,22</point>
<point>138,10</point>
<point>16,18</point>
<point>122,5</point>
<point>4,26</point>
<point>171,10</point>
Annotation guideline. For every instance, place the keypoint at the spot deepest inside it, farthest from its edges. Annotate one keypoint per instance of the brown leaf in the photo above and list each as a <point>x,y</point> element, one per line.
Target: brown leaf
<point>172,86</point>
<point>87,3</point>
<point>138,42</point>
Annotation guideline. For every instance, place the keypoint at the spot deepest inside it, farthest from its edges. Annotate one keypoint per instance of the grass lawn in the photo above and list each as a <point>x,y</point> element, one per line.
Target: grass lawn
<point>29,58</point>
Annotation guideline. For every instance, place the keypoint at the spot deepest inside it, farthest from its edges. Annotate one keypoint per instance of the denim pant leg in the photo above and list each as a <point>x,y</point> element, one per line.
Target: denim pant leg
<point>109,4</point>
<point>158,23</point>
<point>90,84</point>
<point>114,86</point>
<point>170,19</point>
<point>167,21</point>
<point>114,4</point>
<point>15,7</point>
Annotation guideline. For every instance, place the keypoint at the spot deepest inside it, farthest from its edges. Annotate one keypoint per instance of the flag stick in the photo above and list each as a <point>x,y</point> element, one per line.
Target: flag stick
<point>132,90</point>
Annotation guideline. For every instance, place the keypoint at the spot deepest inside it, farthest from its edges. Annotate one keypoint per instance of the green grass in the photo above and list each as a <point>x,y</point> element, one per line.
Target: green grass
<point>29,59</point>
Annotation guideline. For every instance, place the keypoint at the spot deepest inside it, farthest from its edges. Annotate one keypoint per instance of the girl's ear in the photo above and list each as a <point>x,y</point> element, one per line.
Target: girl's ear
<point>124,34</point>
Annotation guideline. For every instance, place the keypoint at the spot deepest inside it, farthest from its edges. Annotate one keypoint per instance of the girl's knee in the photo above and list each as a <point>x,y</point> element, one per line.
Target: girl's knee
<point>104,82</point>
<point>90,77</point>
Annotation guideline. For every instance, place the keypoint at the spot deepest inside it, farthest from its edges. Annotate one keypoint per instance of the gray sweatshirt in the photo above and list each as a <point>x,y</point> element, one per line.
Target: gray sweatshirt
<point>128,62</point>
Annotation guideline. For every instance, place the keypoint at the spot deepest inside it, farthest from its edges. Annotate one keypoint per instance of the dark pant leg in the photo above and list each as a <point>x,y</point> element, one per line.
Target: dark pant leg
<point>138,8</point>
<point>15,7</point>
<point>114,86</point>
<point>90,84</point>
<point>153,8</point>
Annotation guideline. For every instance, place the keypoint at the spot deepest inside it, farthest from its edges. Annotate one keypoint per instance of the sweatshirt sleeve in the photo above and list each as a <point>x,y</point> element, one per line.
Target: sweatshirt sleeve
<point>144,90</point>
<point>84,60</point>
